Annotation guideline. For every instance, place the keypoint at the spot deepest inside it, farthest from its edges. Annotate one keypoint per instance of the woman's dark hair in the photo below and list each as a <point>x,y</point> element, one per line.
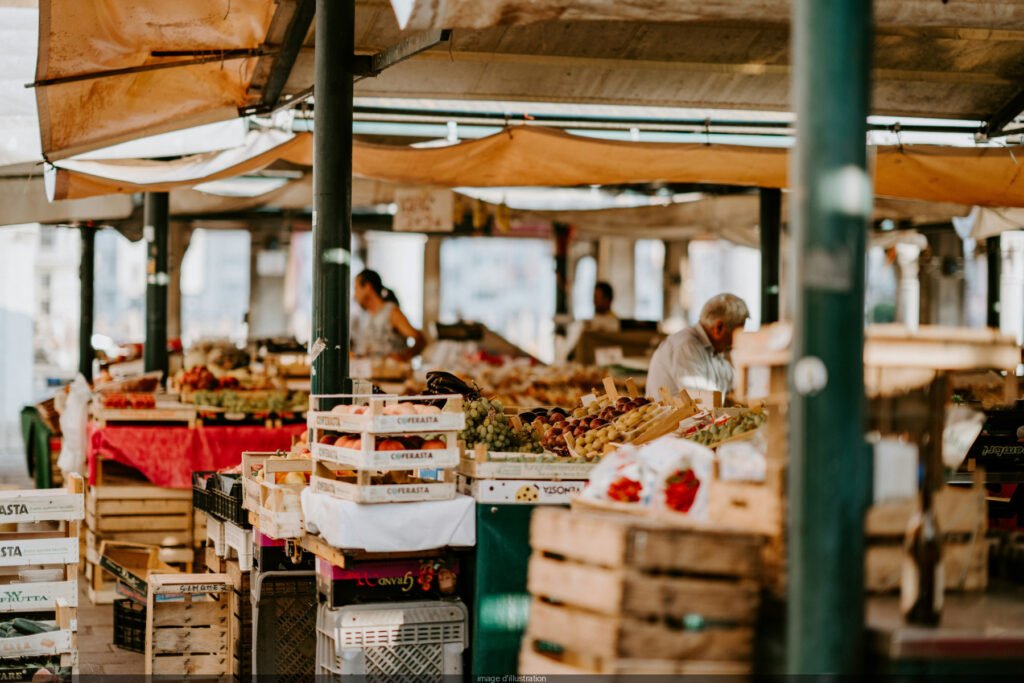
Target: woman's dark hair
<point>372,278</point>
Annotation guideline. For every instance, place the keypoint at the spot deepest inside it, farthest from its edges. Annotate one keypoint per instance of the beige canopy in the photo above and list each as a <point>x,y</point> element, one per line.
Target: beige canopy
<point>102,79</point>
<point>535,156</point>
<point>89,96</point>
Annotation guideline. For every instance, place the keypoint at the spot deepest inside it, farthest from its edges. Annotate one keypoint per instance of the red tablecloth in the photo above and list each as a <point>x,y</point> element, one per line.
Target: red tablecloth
<point>167,456</point>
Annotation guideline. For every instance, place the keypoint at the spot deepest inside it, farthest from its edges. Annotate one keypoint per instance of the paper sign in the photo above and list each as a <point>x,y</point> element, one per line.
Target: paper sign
<point>607,355</point>
<point>423,210</point>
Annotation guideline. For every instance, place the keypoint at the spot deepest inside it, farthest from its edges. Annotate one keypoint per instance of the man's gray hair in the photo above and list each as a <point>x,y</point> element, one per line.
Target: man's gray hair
<point>728,308</point>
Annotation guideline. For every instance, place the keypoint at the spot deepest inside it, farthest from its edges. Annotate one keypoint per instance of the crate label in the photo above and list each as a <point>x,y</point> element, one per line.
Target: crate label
<point>39,551</point>
<point>427,579</point>
<point>37,644</point>
<point>522,491</point>
<point>189,588</point>
<point>122,574</point>
<point>41,506</point>
<point>16,597</point>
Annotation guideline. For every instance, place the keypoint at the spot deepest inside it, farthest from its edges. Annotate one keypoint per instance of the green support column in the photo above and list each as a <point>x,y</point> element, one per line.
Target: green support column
<point>562,285</point>
<point>830,466</point>
<point>86,277</point>
<point>994,256</point>
<point>332,194</point>
<point>155,228</point>
<point>771,234</point>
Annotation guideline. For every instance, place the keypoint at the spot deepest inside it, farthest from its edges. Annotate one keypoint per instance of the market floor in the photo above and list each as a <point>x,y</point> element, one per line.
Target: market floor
<point>96,651</point>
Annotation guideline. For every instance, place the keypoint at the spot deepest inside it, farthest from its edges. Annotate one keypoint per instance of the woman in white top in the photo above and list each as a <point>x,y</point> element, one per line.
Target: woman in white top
<point>386,331</point>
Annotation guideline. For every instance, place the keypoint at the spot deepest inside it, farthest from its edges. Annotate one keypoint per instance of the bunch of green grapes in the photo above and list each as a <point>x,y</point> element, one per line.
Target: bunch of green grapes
<point>528,440</point>
<point>487,423</point>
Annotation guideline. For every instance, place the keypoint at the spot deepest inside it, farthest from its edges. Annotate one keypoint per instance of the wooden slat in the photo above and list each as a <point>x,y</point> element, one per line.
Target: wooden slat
<point>137,523</point>
<point>198,613</point>
<point>958,510</point>
<point>142,507</point>
<point>615,591</point>
<point>146,492</point>
<point>615,637</point>
<point>615,540</point>
<point>532,662</point>
<point>206,640</point>
<point>188,583</point>
<point>965,566</point>
<point>194,665</point>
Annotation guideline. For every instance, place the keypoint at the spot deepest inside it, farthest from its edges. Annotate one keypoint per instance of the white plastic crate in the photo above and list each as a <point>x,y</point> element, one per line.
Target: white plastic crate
<point>387,640</point>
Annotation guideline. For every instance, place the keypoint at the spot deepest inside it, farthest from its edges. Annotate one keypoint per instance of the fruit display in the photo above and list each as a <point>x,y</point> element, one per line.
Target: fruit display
<point>413,442</point>
<point>711,429</point>
<point>135,400</point>
<point>279,401</point>
<point>518,382</point>
<point>406,408</point>
<point>681,490</point>
<point>594,426</point>
<point>487,423</point>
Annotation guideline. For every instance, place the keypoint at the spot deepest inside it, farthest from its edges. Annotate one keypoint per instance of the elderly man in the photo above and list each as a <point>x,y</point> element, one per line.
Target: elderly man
<point>697,358</point>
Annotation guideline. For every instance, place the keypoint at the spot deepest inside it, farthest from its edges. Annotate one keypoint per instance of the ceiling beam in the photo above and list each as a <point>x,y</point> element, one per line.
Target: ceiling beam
<point>996,126</point>
<point>373,65</point>
<point>301,17</point>
<point>739,69</point>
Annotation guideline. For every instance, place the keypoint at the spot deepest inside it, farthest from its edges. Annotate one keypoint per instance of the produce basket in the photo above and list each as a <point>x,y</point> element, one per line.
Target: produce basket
<point>202,499</point>
<point>284,625</point>
<point>227,500</point>
<point>382,414</point>
<point>385,641</point>
<point>129,625</point>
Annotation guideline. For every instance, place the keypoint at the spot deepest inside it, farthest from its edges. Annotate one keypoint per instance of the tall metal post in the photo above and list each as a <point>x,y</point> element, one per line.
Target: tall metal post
<point>155,231</point>
<point>332,194</point>
<point>562,286</point>
<point>771,233</point>
<point>994,256</point>
<point>86,272</point>
<point>830,468</point>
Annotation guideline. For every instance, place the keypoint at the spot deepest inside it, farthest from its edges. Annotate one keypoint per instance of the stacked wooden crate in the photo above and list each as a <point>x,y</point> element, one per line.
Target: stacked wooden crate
<point>962,520</point>
<point>620,594</point>
<point>39,552</point>
<point>188,625</point>
<point>240,603</point>
<point>762,361</point>
<point>123,506</point>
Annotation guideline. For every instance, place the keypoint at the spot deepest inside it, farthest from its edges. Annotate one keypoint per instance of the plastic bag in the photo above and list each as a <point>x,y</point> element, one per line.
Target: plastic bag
<point>74,426</point>
<point>618,477</point>
<point>678,476</point>
<point>744,459</point>
<point>963,425</point>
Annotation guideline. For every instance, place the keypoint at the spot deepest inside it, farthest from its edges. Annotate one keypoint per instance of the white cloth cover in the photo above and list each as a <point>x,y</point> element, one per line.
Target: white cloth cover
<point>390,527</point>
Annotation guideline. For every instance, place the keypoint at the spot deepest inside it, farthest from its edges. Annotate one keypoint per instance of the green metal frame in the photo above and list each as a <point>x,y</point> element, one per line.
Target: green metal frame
<point>830,466</point>
<point>156,220</point>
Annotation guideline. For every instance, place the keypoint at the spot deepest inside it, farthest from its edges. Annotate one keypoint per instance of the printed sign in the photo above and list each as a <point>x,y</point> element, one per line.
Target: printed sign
<point>423,210</point>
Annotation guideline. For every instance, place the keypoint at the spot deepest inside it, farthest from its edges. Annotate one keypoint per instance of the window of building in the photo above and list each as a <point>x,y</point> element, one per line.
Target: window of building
<point>507,284</point>
<point>215,286</point>
<point>649,279</point>
<point>584,279</point>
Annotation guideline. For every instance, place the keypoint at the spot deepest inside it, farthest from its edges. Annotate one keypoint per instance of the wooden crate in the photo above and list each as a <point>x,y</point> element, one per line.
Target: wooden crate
<point>610,589</point>
<point>241,620</point>
<point>137,509</point>
<point>277,506</point>
<point>189,635</point>
<point>962,519</point>
<point>180,556</point>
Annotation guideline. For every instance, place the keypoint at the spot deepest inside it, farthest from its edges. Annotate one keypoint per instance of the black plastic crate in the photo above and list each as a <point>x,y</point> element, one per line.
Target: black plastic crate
<point>201,497</point>
<point>226,497</point>
<point>284,625</point>
<point>129,625</point>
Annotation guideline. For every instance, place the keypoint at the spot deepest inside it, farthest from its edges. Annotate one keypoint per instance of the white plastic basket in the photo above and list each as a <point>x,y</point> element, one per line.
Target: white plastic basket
<point>385,640</point>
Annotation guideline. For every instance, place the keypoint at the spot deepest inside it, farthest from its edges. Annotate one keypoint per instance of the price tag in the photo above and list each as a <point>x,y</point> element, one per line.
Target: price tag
<point>608,355</point>
<point>423,210</point>
<point>361,368</point>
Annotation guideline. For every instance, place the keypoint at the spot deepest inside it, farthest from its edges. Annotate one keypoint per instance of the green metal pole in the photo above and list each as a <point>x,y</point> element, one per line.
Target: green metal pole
<point>332,194</point>
<point>994,256</point>
<point>771,234</point>
<point>830,468</point>
<point>86,270</point>
<point>155,228</point>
